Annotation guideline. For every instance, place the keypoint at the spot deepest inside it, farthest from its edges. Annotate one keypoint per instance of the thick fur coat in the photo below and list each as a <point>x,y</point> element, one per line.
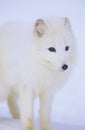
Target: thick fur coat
<point>35,60</point>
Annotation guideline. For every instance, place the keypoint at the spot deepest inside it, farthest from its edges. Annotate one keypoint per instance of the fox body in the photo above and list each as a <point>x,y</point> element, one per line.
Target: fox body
<point>35,60</point>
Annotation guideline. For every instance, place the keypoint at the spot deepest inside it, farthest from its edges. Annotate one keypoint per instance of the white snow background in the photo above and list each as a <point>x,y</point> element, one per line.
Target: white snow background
<point>68,111</point>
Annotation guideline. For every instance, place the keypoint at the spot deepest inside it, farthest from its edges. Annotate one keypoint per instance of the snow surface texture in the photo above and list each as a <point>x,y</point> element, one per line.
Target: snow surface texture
<point>8,123</point>
<point>69,103</point>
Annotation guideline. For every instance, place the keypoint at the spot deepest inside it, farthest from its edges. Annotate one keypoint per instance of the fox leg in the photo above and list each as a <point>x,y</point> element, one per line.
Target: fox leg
<point>45,110</point>
<point>26,108</point>
<point>13,105</point>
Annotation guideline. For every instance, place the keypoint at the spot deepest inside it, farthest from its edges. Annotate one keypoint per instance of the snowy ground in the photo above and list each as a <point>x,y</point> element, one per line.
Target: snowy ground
<point>8,123</point>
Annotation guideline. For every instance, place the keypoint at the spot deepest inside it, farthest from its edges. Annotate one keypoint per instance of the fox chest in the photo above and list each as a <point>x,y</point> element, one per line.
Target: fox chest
<point>44,80</point>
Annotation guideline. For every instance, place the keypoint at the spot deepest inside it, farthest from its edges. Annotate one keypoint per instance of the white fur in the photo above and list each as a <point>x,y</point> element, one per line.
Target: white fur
<point>29,69</point>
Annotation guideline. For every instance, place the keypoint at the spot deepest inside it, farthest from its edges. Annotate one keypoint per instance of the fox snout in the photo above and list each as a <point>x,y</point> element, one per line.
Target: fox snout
<point>65,67</point>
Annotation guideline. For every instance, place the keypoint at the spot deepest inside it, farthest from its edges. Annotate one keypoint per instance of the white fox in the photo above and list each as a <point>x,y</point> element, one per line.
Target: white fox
<point>35,60</point>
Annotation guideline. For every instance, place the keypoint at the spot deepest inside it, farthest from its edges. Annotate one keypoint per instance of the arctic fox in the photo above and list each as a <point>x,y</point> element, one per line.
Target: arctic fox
<point>35,60</point>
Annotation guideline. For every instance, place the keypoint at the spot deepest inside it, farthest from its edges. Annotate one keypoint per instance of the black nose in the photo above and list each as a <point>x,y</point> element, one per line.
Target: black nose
<point>65,67</point>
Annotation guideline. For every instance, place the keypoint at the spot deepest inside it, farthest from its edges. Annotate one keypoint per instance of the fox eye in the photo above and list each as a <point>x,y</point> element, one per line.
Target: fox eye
<point>52,49</point>
<point>66,48</point>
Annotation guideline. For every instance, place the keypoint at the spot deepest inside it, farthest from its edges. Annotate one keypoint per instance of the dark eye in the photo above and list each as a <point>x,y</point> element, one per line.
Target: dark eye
<point>52,49</point>
<point>66,48</point>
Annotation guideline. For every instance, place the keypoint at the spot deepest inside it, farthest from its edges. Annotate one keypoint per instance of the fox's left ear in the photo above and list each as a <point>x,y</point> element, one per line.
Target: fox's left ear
<point>40,27</point>
<point>67,22</point>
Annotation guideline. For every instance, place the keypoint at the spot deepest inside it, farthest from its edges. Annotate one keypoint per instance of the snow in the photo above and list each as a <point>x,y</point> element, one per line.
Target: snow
<point>11,124</point>
<point>8,123</point>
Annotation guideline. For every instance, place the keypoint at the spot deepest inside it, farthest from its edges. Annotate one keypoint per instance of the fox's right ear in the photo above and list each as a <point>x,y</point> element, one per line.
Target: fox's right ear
<point>67,22</point>
<point>40,27</point>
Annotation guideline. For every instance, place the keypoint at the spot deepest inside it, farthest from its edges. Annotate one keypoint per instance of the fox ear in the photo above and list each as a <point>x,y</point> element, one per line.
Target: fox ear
<point>67,22</point>
<point>40,27</point>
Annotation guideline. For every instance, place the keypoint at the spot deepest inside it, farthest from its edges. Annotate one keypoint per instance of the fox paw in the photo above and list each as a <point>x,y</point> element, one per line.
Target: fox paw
<point>28,128</point>
<point>46,127</point>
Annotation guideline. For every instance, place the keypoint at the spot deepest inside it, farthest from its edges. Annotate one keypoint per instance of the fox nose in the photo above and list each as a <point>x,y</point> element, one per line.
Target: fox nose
<point>65,67</point>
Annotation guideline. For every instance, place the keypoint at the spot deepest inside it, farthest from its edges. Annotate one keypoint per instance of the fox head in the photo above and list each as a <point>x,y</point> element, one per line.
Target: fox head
<point>55,43</point>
